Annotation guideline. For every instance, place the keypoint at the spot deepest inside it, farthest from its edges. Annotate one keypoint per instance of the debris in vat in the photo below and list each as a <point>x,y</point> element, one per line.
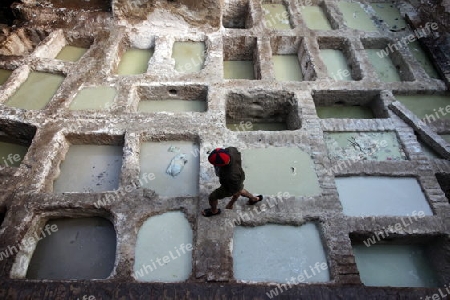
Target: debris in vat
<point>294,171</point>
<point>364,146</point>
<point>177,164</point>
<point>174,149</point>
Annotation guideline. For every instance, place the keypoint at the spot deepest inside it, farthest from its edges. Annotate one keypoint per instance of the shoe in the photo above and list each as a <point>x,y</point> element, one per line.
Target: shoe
<point>208,212</point>
<point>260,197</point>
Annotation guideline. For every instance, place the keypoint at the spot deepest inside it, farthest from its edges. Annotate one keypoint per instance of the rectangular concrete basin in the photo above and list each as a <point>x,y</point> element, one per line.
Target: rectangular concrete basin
<point>276,16</point>
<point>135,61</point>
<point>423,59</point>
<point>394,265</point>
<point>89,169</point>
<point>429,108</point>
<point>355,17</point>
<point>272,170</point>
<point>261,110</point>
<point>289,252</point>
<point>240,58</point>
<point>36,91</point>
<point>238,69</point>
<point>189,56</point>
<point>315,18</point>
<point>71,53</point>
<point>176,165</point>
<point>94,98</point>
<point>389,15</point>
<point>381,196</point>
<point>383,65</point>
<point>287,67</point>
<point>78,248</point>
<point>236,14</point>
<point>364,146</point>
<point>163,250</point>
<point>336,63</point>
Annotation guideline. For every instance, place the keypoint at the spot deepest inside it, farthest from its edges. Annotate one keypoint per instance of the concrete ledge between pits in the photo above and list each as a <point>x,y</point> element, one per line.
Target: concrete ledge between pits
<point>15,289</point>
<point>427,135</point>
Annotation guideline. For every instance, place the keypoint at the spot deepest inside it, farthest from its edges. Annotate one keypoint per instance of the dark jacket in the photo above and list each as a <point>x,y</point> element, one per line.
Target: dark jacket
<point>232,176</point>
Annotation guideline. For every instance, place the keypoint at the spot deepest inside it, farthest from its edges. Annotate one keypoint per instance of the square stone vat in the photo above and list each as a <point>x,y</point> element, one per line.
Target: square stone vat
<point>15,139</point>
<point>349,105</point>
<point>134,55</point>
<point>189,56</point>
<point>289,251</point>
<point>316,16</point>
<point>388,63</point>
<point>427,150</point>
<point>134,61</point>
<point>354,146</point>
<point>37,90</point>
<point>386,258</point>
<point>171,98</point>
<point>339,58</point>
<point>276,14</point>
<point>429,108</point>
<point>175,165</point>
<point>71,53</point>
<point>381,196</point>
<point>72,248</point>
<point>390,15</point>
<point>387,264</point>
<point>291,59</point>
<point>262,110</point>
<point>94,98</point>
<point>422,57</point>
<point>355,17</point>
<point>240,58</point>
<point>272,170</point>
<point>237,14</point>
<point>89,168</point>
<point>163,250</point>
<point>74,48</point>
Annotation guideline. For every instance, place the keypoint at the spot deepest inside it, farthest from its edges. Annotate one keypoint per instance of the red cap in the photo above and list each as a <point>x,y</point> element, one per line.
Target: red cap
<point>219,157</point>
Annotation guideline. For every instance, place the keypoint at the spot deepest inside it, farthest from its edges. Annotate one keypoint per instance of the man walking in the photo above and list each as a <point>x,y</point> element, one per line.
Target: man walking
<point>228,166</point>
